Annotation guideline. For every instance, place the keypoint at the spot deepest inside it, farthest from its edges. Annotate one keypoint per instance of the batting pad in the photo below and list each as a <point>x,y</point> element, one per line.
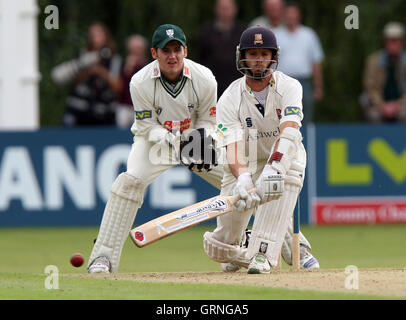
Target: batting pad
<point>271,222</point>
<point>297,169</point>
<point>219,251</point>
<point>126,197</point>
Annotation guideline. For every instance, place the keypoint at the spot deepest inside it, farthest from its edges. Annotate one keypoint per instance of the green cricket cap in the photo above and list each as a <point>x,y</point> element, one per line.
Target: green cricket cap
<point>165,33</point>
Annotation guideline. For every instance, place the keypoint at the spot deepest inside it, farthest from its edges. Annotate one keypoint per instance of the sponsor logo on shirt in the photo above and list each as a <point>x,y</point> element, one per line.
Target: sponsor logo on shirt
<point>212,111</point>
<point>253,134</point>
<point>292,111</point>
<point>220,130</point>
<point>141,115</point>
<point>178,125</point>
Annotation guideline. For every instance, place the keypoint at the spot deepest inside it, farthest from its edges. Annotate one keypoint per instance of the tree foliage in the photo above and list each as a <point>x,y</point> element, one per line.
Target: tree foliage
<point>345,50</point>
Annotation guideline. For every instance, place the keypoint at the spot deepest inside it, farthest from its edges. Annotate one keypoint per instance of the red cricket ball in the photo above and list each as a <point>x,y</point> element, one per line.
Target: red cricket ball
<point>77,260</point>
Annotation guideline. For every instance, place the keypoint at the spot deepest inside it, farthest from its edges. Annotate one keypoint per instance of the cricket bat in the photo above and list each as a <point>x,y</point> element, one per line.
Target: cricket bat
<point>182,219</point>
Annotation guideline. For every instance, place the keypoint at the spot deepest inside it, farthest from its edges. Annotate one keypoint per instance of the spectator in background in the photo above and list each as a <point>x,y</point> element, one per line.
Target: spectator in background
<point>273,15</point>
<point>137,58</point>
<point>218,41</point>
<point>301,58</point>
<point>384,99</point>
<point>93,76</point>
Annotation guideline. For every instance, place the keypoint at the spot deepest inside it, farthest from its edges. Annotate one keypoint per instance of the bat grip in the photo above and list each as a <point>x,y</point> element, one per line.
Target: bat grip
<point>234,198</point>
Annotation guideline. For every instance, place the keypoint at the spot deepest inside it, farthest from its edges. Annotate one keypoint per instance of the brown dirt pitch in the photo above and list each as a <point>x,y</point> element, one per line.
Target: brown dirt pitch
<point>375,282</point>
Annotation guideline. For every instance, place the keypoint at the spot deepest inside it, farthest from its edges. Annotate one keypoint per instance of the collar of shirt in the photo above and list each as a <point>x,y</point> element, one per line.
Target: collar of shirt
<point>271,84</point>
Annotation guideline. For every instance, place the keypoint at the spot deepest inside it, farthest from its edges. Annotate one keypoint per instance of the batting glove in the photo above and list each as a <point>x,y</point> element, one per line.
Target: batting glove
<point>270,184</point>
<point>247,200</point>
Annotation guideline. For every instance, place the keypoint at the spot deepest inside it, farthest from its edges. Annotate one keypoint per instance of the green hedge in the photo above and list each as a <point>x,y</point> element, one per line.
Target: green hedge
<point>345,50</point>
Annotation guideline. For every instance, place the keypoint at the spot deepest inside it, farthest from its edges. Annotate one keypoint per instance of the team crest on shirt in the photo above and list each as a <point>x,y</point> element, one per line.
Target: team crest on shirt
<point>258,39</point>
<point>170,33</point>
<point>279,113</point>
<point>190,106</point>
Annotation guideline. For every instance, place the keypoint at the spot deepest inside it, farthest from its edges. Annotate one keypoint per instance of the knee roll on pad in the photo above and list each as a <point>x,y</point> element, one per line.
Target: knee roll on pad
<point>219,251</point>
<point>298,167</point>
<point>295,174</point>
<point>293,179</point>
<point>128,187</point>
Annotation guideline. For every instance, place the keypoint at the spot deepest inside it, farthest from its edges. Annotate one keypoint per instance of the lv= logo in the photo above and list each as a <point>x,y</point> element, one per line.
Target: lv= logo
<point>341,172</point>
<point>393,164</point>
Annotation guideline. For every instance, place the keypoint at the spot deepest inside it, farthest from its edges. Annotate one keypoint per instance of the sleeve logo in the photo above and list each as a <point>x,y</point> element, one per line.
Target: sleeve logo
<point>292,111</point>
<point>141,115</point>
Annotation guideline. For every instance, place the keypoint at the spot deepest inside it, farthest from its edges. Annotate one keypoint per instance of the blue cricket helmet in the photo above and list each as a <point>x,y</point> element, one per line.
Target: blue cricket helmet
<point>253,38</point>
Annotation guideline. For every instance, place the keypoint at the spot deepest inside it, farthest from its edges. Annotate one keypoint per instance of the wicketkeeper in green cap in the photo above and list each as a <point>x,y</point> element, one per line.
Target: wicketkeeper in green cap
<point>169,48</point>
<point>174,102</point>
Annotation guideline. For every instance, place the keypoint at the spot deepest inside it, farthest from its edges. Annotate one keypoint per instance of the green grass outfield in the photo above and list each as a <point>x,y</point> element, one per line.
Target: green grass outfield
<point>25,252</point>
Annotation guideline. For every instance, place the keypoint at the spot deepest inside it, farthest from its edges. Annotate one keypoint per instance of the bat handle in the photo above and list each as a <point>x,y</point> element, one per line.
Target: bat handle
<point>234,198</point>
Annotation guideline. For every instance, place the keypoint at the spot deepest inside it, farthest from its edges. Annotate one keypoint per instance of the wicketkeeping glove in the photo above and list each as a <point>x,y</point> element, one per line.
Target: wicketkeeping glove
<point>198,151</point>
<point>173,140</point>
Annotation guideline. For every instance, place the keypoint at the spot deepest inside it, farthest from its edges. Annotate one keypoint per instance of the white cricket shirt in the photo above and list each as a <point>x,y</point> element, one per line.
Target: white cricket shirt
<point>239,119</point>
<point>159,108</point>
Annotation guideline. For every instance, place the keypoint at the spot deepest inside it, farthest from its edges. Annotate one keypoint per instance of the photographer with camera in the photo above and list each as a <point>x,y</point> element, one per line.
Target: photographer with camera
<point>94,77</point>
